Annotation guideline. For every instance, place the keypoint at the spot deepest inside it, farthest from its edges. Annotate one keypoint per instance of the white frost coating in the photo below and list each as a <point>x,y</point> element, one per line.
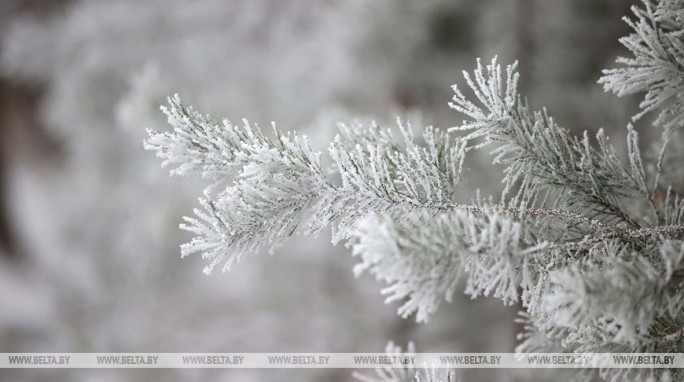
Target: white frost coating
<point>422,257</point>
<point>657,64</point>
<point>591,244</point>
<point>274,181</point>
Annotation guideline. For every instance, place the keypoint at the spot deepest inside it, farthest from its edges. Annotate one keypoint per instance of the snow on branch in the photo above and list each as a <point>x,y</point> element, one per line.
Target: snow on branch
<point>657,64</point>
<point>272,182</point>
<point>381,172</point>
<point>592,252</point>
<point>540,156</point>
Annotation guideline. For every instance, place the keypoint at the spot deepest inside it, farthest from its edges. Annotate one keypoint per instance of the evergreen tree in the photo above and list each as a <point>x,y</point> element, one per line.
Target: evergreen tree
<point>591,245</point>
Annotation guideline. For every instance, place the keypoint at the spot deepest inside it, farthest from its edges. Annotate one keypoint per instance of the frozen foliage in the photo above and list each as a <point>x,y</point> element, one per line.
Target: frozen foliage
<point>541,156</point>
<point>422,256</point>
<point>276,180</point>
<point>657,64</point>
<point>273,181</point>
<point>591,244</point>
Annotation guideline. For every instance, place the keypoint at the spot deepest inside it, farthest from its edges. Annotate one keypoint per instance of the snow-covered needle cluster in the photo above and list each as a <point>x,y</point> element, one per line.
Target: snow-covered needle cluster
<point>275,181</point>
<point>657,62</point>
<point>589,242</point>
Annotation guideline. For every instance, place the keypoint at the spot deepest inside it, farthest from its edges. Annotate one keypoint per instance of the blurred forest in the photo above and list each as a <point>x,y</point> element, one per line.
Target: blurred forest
<point>89,236</point>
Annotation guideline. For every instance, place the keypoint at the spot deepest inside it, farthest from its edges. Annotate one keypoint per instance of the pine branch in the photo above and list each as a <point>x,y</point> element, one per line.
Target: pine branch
<point>422,258</point>
<point>383,174</point>
<point>593,253</point>
<point>274,182</point>
<point>657,65</point>
<point>541,156</point>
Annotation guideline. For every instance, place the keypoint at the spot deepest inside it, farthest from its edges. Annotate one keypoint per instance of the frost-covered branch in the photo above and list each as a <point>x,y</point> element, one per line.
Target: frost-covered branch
<point>422,257</point>
<point>542,157</point>
<point>657,65</point>
<point>592,252</point>
<point>387,174</point>
<point>273,182</point>
<point>275,185</point>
